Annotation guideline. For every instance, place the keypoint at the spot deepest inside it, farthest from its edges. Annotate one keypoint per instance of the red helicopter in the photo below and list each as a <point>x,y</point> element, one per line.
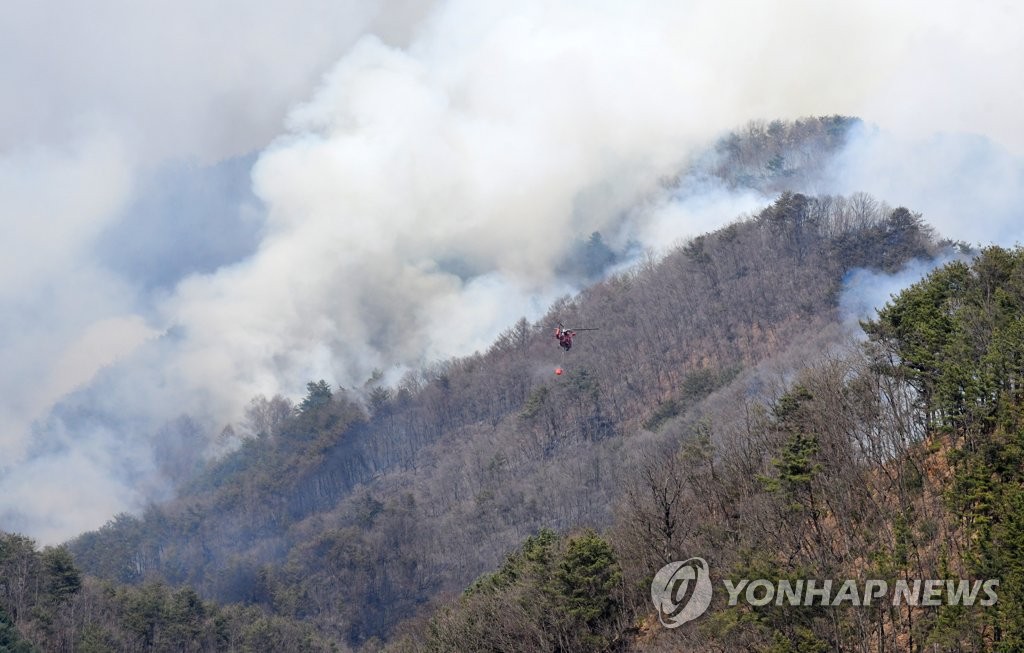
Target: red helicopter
<point>565,337</point>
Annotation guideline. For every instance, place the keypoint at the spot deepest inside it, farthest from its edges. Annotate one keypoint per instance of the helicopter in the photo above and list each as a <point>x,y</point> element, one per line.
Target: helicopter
<point>565,338</point>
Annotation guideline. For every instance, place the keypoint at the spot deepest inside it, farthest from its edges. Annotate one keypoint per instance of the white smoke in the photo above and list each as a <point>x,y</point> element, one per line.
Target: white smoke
<point>867,291</point>
<point>416,202</point>
<point>968,187</point>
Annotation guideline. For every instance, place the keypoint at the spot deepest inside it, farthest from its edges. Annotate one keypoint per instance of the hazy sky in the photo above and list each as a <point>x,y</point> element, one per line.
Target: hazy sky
<point>202,201</point>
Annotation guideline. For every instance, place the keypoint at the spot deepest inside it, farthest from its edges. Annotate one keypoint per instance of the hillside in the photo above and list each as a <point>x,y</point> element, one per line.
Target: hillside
<point>435,480</point>
<point>356,512</point>
<point>895,460</point>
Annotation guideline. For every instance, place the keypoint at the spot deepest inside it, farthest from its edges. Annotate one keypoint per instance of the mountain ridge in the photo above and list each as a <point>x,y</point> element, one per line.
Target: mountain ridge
<point>358,509</point>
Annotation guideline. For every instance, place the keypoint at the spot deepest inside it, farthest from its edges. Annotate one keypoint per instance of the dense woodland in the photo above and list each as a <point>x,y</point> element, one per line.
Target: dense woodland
<point>722,410</point>
<point>896,459</point>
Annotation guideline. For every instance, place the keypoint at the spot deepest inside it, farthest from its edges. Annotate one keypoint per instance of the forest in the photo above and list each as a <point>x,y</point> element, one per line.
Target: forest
<point>896,459</point>
<point>725,409</point>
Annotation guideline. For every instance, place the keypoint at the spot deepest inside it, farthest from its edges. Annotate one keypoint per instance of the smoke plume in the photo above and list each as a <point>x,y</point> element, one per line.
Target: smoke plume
<point>218,200</point>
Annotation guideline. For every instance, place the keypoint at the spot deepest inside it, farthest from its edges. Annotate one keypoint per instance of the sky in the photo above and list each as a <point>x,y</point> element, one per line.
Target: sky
<point>202,202</point>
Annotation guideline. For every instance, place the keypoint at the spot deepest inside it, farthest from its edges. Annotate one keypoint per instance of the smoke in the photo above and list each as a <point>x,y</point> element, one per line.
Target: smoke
<point>967,186</point>
<point>866,291</point>
<point>187,79</point>
<point>419,174</point>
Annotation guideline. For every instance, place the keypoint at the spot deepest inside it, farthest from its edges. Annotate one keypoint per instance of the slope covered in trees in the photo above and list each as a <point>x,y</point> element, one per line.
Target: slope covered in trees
<point>56,608</point>
<point>898,459</point>
<point>354,516</point>
<point>358,511</point>
<point>777,156</point>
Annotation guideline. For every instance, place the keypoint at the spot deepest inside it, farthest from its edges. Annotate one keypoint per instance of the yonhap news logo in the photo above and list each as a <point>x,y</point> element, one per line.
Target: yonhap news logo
<point>682,591</point>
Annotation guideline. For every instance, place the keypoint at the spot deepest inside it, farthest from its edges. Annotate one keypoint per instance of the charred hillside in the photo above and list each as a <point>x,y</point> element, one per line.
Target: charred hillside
<point>355,508</point>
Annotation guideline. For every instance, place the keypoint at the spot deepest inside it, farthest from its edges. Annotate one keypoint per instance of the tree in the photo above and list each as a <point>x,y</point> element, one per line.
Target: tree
<point>10,639</point>
<point>64,579</point>
<point>553,594</point>
<point>264,417</point>
<point>587,582</point>
<point>318,393</point>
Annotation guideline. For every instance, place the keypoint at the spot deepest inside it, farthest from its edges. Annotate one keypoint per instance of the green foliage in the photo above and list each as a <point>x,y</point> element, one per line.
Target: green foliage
<point>795,466</point>
<point>665,411</point>
<point>956,337</point>
<point>63,578</point>
<point>780,628</point>
<point>112,551</point>
<point>318,394</point>
<point>802,640</point>
<point>10,640</point>
<point>98,639</point>
<point>553,594</point>
<point>587,579</point>
<point>532,560</point>
<point>695,386</point>
<point>47,596</point>
<point>536,403</point>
